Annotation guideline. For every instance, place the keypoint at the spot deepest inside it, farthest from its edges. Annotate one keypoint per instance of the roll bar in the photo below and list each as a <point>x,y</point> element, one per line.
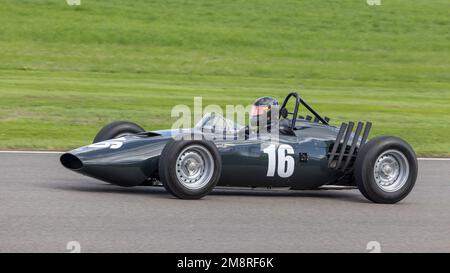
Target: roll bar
<point>298,101</point>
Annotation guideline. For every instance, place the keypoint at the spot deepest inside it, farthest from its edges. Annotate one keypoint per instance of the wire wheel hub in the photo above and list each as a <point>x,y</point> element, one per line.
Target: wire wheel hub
<point>194,167</point>
<point>391,171</point>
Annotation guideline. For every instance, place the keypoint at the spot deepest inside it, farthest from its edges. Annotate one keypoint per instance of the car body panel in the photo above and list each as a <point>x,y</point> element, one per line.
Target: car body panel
<point>132,160</point>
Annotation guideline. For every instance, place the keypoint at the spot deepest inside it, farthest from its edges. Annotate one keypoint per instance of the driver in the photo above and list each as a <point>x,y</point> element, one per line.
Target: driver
<point>262,110</point>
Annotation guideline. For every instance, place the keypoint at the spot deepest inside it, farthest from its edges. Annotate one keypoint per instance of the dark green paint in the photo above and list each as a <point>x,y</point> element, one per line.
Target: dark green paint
<point>243,161</point>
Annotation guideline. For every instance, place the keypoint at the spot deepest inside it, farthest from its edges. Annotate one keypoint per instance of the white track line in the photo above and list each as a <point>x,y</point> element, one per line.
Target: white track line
<point>433,159</point>
<point>30,152</point>
<point>56,152</point>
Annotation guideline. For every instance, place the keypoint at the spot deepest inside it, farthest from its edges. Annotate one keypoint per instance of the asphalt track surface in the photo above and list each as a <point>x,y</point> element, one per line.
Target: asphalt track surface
<point>44,206</point>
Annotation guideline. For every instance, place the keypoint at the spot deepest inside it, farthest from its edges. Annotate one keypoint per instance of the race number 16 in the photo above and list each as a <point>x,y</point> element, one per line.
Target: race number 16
<point>285,162</point>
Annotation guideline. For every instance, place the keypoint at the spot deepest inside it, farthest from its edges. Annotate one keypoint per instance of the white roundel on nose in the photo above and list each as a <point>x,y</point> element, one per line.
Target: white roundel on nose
<point>111,143</point>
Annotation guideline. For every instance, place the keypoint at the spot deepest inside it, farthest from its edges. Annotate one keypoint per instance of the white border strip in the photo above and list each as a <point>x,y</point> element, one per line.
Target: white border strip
<point>56,152</point>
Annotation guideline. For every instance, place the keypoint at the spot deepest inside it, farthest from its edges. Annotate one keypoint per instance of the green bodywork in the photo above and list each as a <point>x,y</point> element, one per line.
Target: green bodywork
<point>244,163</point>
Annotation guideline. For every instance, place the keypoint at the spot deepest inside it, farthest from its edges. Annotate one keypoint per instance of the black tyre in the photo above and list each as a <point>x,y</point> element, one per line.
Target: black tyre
<point>189,169</point>
<point>117,129</point>
<point>386,169</point>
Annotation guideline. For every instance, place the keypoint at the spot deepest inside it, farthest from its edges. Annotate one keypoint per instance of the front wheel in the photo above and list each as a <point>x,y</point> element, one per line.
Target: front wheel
<point>189,169</point>
<point>386,170</point>
<point>117,129</point>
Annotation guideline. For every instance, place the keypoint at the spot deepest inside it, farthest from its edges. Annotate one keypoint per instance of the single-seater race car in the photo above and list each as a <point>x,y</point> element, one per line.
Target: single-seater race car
<point>308,154</point>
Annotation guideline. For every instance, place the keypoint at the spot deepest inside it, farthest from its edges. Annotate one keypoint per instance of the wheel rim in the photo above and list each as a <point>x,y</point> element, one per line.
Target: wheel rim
<point>391,170</point>
<point>194,167</point>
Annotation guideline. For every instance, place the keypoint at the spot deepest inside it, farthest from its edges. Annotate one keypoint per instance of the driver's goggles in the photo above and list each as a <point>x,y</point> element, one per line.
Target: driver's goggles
<point>259,110</point>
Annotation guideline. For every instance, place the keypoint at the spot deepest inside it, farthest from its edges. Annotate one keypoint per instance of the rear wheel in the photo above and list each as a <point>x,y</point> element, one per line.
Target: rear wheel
<point>386,169</point>
<point>189,169</point>
<point>117,129</point>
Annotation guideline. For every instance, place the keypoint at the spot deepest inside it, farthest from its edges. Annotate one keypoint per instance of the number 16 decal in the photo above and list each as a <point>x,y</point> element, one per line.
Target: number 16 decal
<point>285,161</point>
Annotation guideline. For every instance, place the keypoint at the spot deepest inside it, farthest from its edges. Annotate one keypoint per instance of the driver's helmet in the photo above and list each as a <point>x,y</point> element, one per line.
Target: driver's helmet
<point>261,113</point>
